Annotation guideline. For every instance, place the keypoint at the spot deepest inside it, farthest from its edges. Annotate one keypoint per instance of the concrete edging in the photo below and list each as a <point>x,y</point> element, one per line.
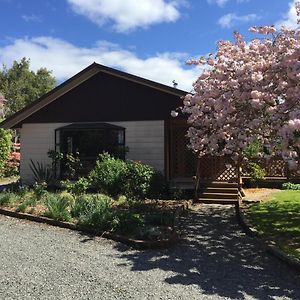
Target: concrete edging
<point>270,247</point>
<point>138,244</point>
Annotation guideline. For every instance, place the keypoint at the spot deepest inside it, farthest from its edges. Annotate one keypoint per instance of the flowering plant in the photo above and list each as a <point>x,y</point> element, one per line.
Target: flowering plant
<point>249,92</point>
<point>12,164</point>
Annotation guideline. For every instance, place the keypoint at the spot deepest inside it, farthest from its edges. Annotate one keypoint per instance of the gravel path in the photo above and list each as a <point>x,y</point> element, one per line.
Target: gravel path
<point>216,261</point>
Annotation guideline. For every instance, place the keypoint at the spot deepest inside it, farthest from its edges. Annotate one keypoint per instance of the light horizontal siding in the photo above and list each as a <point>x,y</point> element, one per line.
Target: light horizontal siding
<point>145,140</point>
<point>36,141</point>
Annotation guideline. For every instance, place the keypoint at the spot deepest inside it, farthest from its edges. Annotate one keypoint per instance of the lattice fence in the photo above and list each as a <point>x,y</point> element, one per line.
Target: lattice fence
<point>183,162</point>
<point>217,169</point>
<point>275,167</point>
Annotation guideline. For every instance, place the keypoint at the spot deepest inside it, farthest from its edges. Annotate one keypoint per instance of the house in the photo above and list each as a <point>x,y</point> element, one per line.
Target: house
<point>103,109</point>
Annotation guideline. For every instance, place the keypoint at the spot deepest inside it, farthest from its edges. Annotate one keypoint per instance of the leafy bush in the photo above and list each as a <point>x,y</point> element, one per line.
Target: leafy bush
<point>96,212</point>
<point>78,187</point>
<point>256,172</point>
<point>57,208</point>
<point>56,157</point>
<point>108,175</point>
<point>41,172</point>
<point>128,222</point>
<point>12,165</point>
<point>159,187</point>
<point>72,165</point>
<point>82,203</point>
<point>137,180</point>
<point>253,150</point>
<point>291,186</point>
<point>7,198</point>
<point>70,198</point>
<point>114,177</point>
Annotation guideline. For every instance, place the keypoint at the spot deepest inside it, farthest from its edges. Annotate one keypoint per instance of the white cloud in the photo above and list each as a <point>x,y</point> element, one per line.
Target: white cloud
<point>32,18</point>
<point>127,15</point>
<point>290,18</point>
<point>65,59</point>
<point>222,3</point>
<point>232,19</point>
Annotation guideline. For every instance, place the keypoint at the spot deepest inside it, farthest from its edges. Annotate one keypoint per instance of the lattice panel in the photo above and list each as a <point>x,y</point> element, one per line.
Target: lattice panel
<point>217,169</point>
<point>229,174</point>
<point>274,167</point>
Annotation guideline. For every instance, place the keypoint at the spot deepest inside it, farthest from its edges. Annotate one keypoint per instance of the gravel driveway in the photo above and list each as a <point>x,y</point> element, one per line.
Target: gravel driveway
<point>216,261</point>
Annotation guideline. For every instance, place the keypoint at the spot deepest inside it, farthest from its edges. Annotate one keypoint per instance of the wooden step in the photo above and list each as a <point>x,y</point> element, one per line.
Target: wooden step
<point>219,195</point>
<point>221,184</point>
<point>224,190</point>
<point>216,201</point>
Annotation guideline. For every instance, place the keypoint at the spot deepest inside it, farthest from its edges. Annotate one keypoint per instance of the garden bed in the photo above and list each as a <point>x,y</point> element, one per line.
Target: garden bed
<point>259,194</point>
<point>143,224</point>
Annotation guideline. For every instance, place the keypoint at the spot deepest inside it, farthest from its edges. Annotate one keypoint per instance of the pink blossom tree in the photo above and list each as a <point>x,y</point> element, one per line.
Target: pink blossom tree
<point>250,92</point>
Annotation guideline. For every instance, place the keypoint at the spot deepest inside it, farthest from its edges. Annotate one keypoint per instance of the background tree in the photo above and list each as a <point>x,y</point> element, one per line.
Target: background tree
<point>20,85</point>
<point>5,149</point>
<point>250,92</point>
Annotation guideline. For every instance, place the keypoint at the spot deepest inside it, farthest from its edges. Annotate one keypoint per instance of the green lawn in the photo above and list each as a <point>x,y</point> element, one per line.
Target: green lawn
<point>279,220</point>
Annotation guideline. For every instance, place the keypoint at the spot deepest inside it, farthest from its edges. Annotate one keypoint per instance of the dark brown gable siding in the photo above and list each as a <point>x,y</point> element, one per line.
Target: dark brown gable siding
<point>108,98</point>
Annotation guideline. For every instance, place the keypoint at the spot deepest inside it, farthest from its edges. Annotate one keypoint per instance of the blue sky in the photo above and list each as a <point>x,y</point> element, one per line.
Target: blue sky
<point>148,38</point>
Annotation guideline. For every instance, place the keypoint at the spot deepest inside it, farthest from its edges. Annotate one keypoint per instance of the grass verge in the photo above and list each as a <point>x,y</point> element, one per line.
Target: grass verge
<point>278,220</point>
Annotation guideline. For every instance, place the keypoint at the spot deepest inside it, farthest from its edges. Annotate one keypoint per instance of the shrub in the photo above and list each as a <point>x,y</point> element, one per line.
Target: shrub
<point>84,202</point>
<point>78,187</point>
<point>80,205</point>
<point>128,222</point>
<point>68,197</point>
<point>96,212</point>
<point>253,150</point>
<point>159,187</point>
<point>72,165</point>
<point>114,177</point>
<point>12,165</point>
<point>7,198</point>
<point>256,172</point>
<point>291,186</point>
<point>108,175</point>
<point>57,208</point>
<point>137,180</point>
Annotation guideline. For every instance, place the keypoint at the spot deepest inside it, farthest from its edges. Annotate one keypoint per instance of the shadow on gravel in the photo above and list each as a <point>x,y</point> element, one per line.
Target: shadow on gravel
<point>220,259</point>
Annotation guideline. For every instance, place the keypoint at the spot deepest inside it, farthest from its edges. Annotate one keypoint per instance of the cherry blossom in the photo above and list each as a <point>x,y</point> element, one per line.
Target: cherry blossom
<point>250,92</point>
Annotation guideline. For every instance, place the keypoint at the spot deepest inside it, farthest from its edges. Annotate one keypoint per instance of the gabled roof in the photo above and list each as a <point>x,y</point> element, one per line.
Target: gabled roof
<point>75,81</point>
